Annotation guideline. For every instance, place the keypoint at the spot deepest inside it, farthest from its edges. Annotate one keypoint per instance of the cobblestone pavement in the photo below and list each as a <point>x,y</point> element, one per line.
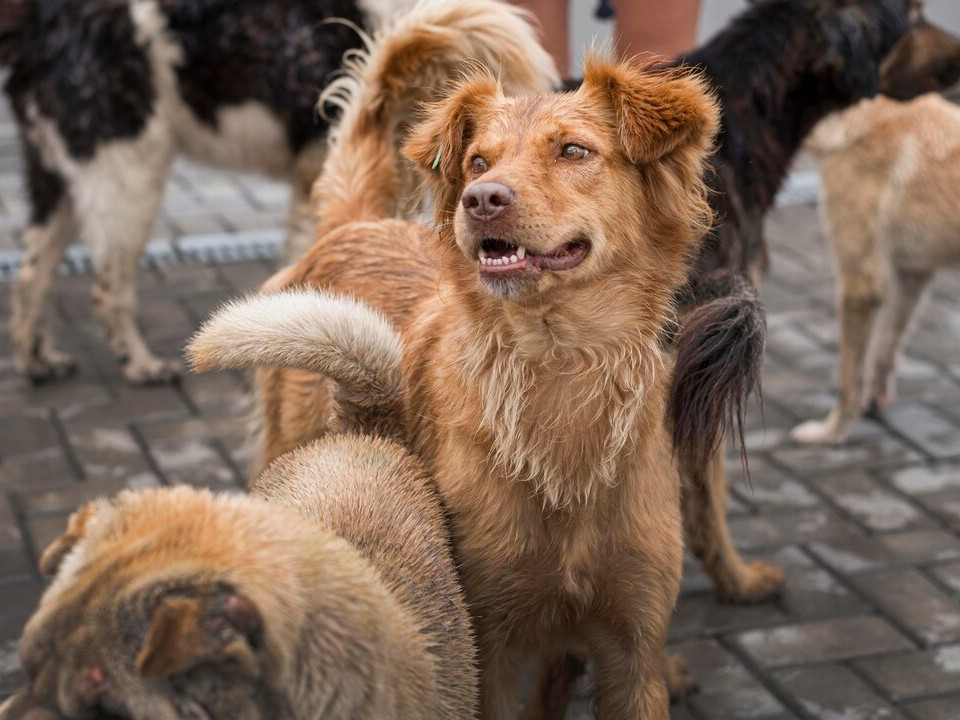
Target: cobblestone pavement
<point>869,625</point>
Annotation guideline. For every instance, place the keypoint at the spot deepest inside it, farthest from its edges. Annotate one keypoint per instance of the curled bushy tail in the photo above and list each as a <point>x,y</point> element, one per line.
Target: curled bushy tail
<point>412,62</point>
<point>341,338</point>
<point>719,357</point>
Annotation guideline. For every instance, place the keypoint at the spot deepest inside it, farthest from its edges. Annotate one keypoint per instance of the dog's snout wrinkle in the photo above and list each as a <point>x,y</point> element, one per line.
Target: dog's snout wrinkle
<point>488,200</point>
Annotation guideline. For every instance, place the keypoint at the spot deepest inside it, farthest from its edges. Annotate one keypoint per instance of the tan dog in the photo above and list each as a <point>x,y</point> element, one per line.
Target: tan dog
<point>533,368</point>
<point>891,189</point>
<point>336,599</point>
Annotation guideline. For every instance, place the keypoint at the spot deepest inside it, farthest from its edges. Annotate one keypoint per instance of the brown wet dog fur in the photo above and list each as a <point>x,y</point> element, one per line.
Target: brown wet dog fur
<point>536,396</point>
<point>331,594</point>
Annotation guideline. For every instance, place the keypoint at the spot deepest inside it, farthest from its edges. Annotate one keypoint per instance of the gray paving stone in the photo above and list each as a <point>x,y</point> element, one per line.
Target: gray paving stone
<point>834,692</point>
<point>914,603</point>
<point>938,437</point>
<point>859,553</point>
<point>945,708</point>
<point>875,507</point>
<point>725,687</point>
<point>917,674</point>
<point>811,591</point>
<point>821,641</point>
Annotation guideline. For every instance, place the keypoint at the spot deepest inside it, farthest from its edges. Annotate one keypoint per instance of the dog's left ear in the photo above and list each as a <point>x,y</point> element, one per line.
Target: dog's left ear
<point>658,112</point>
<point>223,628</point>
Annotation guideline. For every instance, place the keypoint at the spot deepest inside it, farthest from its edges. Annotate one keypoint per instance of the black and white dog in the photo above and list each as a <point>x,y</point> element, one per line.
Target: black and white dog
<point>107,92</point>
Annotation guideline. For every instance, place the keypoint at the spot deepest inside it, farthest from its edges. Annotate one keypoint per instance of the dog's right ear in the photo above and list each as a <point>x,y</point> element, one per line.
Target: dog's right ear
<point>436,145</point>
<point>53,556</point>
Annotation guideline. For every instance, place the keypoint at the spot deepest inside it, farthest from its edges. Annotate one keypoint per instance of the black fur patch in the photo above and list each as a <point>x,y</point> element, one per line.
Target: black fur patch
<point>280,53</point>
<point>46,188</point>
<point>778,69</point>
<point>719,356</point>
<point>80,62</point>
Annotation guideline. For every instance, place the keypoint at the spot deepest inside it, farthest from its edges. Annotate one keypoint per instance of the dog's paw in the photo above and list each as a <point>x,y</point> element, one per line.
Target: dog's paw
<point>817,432</point>
<point>153,371</point>
<point>679,681</point>
<point>760,581</point>
<point>48,366</point>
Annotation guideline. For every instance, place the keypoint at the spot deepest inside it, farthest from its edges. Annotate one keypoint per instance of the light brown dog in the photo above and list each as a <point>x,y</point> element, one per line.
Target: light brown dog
<point>338,598</point>
<point>891,188</point>
<point>533,366</point>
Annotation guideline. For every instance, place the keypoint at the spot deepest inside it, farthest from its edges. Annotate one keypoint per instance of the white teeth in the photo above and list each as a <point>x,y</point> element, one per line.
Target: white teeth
<point>513,259</point>
<point>483,255</point>
<point>521,253</point>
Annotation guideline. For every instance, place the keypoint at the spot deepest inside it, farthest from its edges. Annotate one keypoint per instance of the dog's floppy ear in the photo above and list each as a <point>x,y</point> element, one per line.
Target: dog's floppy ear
<point>56,551</point>
<point>657,111</point>
<point>436,146</point>
<point>223,628</point>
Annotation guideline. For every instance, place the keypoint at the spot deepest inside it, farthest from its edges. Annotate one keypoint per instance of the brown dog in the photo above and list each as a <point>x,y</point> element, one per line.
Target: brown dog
<point>891,189</point>
<point>336,599</point>
<point>533,365</point>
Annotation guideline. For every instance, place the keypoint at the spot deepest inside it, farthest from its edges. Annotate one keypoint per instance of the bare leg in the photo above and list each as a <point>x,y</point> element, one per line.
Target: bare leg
<point>553,17</point>
<point>705,520</point>
<point>119,206</point>
<point>662,28</point>
<point>906,291</point>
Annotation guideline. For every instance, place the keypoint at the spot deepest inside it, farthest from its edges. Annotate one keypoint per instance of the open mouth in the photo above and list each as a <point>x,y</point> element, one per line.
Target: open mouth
<point>500,257</point>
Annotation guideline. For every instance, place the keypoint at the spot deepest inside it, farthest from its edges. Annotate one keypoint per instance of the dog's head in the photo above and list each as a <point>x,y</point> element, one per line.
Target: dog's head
<point>543,192</point>
<point>141,623</point>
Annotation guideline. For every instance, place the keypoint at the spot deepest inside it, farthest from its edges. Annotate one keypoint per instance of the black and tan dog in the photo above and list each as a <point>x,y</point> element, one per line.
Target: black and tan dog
<point>778,68</point>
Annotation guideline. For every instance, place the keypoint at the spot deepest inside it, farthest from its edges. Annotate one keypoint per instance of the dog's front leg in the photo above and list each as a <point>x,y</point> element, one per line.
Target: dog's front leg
<point>500,668</point>
<point>119,202</point>
<point>45,240</point>
<point>708,536</point>
<point>629,680</point>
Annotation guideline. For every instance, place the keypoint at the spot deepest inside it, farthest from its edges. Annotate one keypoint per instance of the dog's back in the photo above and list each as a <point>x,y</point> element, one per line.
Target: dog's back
<point>897,164</point>
<point>399,528</point>
<point>333,595</point>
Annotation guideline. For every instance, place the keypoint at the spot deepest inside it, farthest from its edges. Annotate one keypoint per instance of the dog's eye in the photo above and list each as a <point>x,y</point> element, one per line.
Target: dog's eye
<point>478,165</point>
<point>574,152</point>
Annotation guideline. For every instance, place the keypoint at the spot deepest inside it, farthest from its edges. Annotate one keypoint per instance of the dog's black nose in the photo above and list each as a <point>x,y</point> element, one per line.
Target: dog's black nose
<point>485,201</point>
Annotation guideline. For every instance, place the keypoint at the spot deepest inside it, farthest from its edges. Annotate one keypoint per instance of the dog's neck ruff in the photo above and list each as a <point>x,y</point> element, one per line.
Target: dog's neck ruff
<point>562,420</point>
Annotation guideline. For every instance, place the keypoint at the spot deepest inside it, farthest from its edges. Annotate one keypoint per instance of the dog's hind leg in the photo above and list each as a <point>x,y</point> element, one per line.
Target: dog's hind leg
<point>708,537</point>
<point>907,289</point>
<point>119,193</point>
<point>863,289</point>
<point>52,227</point>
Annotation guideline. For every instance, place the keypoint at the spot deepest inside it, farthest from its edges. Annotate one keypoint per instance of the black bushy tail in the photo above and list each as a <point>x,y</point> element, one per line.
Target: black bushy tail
<point>719,355</point>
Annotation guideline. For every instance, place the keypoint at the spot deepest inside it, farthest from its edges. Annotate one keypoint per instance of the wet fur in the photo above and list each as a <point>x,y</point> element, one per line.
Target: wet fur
<point>540,409</point>
<point>330,593</point>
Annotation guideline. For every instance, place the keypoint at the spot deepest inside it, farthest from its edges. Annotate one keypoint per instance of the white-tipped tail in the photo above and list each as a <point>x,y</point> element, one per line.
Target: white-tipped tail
<point>344,339</point>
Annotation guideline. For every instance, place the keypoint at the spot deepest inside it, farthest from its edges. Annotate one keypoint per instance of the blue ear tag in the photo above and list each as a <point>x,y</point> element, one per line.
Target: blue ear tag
<point>436,160</point>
